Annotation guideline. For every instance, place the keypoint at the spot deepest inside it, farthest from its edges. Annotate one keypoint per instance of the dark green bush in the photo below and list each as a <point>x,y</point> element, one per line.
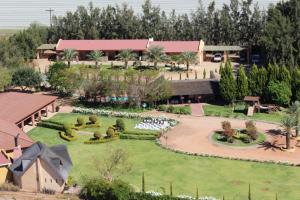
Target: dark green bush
<point>137,132</point>
<point>110,132</point>
<point>162,108</point>
<point>137,137</point>
<point>67,126</point>
<point>66,137</point>
<point>81,121</point>
<point>100,141</point>
<point>120,125</point>
<point>170,109</point>
<point>51,125</point>
<point>230,139</point>
<point>93,119</point>
<point>97,135</point>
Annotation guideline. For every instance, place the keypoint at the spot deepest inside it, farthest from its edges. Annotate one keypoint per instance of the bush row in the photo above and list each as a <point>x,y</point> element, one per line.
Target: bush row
<point>101,140</point>
<point>137,137</point>
<point>136,132</point>
<point>184,110</point>
<point>51,125</point>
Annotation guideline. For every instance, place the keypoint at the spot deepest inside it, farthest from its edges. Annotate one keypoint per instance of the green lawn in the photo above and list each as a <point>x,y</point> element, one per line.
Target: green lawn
<point>211,175</point>
<point>226,111</point>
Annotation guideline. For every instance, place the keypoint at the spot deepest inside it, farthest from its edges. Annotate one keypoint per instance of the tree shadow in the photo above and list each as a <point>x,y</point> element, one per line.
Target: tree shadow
<point>273,146</point>
<point>275,132</point>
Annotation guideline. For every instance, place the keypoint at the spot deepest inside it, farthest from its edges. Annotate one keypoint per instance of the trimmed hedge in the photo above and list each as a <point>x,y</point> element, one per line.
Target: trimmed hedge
<point>137,137</point>
<point>102,140</point>
<point>184,110</point>
<point>136,132</point>
<point>63,135</point>
<point>86,126</point>
<point>51,125</point>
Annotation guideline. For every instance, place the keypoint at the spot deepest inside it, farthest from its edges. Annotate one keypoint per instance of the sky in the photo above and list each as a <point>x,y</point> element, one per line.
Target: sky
<point>20,13</point>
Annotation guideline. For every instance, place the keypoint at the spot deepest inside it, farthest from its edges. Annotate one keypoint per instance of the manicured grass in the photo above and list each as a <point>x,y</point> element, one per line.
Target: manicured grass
<point>238,142</point>
<point>227,111</point>
<point>211,175</point>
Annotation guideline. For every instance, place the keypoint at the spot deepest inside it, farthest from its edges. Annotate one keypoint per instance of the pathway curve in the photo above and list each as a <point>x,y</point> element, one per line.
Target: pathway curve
<point>197,109</point>
<point>192,135</point>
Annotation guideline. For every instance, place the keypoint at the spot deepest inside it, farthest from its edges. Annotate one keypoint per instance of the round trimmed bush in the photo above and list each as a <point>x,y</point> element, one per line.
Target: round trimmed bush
<point>80,121</point>
<point>97,135</point>
<point>170,109</point>
<point>110,132</point>
<point>93,119</point>
<point>120,125</point>
<point>68,126</point>
<point>162,108</point>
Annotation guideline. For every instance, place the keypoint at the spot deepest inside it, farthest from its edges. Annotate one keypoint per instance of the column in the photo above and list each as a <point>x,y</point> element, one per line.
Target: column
<point>46,113</point>
<point>32,120</point>
<point>53,107</point>
<point>40,115</point>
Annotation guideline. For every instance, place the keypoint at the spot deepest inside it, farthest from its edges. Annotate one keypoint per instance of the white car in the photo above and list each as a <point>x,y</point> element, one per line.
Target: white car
<point>217,57</point>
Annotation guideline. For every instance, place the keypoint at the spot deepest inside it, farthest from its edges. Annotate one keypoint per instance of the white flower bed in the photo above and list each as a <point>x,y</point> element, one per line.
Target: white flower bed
<point>153,193</point>
<point>101,112</point>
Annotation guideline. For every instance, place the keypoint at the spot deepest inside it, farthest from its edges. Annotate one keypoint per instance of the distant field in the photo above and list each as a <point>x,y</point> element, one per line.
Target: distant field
<point>5,32</point>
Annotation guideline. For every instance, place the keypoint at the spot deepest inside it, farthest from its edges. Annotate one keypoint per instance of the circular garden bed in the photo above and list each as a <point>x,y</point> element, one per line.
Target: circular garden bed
<point>240,139</point>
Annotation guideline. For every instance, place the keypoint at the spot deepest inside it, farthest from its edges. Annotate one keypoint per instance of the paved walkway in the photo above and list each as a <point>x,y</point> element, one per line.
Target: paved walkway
<point>193,135</point>
<point>197,109</point>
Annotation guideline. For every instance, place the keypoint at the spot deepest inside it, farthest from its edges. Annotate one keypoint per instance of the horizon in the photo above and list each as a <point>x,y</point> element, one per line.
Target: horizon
<point>30,11</point>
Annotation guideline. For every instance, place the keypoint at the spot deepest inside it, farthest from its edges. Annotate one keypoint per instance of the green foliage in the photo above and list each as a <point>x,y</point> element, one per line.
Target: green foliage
<point>101,140</point>
<point>156,54</point>
<point>120,125</point>
<point>81,121</point>
<point>257,81</point>
<point>93,119</point>
<point>110,132</point>
<point>97,135</point>
<point>188,58</point>
<point>279,93</point>
<point>241,83</point>
<point>126,56</point>
<point>170,109</point>
<point>68,55</point>
<point>51,125</point>
<point>251,130</point>
<point>162,108</point>
<point>26,77</point>
<point>69,136</point>
<point>5,78</point>
<point>138,136</point>
<point>67,126</point>
<point>296,84</point>
<point>227,84</point>
<point>96,56</point>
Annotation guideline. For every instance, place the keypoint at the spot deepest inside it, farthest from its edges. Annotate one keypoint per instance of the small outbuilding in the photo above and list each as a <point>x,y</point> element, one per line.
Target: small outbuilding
<point>42,168</point>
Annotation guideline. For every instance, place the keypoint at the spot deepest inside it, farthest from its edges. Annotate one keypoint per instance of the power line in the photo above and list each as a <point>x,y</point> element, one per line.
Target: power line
<point>50,12</point>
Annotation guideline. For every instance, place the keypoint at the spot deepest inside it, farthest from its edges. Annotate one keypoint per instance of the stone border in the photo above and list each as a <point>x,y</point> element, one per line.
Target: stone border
<point>158,143</point>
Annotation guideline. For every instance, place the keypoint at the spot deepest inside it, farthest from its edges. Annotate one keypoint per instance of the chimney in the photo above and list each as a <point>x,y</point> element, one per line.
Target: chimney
<point>17,140</point>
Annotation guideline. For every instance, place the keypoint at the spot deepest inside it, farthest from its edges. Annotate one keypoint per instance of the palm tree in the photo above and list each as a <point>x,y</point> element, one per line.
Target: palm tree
<point>288,123</point>
<point>156,54</point>
<point>295,110</point>
<point>96,56</point>
<point>69,55</point>
<point>188,58</point>
<point>125,56</point>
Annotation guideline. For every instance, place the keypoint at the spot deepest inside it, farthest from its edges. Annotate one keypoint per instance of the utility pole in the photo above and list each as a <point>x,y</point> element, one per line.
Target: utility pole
<point>50,12</point>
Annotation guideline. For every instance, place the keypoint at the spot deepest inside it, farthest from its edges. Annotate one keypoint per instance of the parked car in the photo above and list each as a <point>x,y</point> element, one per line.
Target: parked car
<point>217,57</point>
<point>255,59</point>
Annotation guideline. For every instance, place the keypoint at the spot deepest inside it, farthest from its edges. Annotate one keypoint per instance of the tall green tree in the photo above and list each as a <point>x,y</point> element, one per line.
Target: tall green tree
<point>227,84</point>
<point>279,93</point>
<point>188,58</point>
<point>241,83</point>
<point>126,56</point>
<point>257,80</point>
<point>294,109</point>
<point>96,56</point>
<point>5,78</point>
<point>288,123</point>
<point>25,78</point>
<point>296,84</point>
<point>156,54</point>
<point>69,55</point>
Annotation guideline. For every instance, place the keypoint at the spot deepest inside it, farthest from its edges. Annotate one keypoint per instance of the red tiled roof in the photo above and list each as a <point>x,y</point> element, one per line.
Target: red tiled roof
<point>14,107</point>
<point>177,46</point>
<point>8,132</point>
<point>4,160</point>
<point>103,45</point>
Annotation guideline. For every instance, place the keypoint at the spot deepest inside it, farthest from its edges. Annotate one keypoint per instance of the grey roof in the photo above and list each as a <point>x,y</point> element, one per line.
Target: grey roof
<point>47,47</point>
<point>195,87</point>
<point>223,48</point>
<point>56,157</point>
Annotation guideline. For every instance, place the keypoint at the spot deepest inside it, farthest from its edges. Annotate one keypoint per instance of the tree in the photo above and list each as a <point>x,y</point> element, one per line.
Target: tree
<point>227,84</point>
<point>156,54</point>
<point>96,56</point>
<point>294,109</point>
<point>288,123</point>
<point>126,56</point>
<point>188,58</point>
<point>69,55</point>
<point>26,77</point>
<point>279,93</point>
<point>257,80</point>
<point>5,78</point>
<point>296,84</point>
<point>241,83</point>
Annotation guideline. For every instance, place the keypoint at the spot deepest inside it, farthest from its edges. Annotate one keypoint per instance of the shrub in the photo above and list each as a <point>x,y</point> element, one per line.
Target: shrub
<point>100,141</point>
<point>80,121</point>
<point>228,131</point>
<point>9,187</point>
<point>280,93</point>
<point>230,139</point>
<point>51,125</point>
<point>97,135</point>
<point>137,137</point>
<point>93,119</point>
<point>110,132</point>
<point>72,137</point>
<point>137,132</point>
<point>67,126</point>
<point>170,109</point>
<point>162,108</point>
<point>120,125</point>
<point>251,130</point>
<point>246,139</point>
